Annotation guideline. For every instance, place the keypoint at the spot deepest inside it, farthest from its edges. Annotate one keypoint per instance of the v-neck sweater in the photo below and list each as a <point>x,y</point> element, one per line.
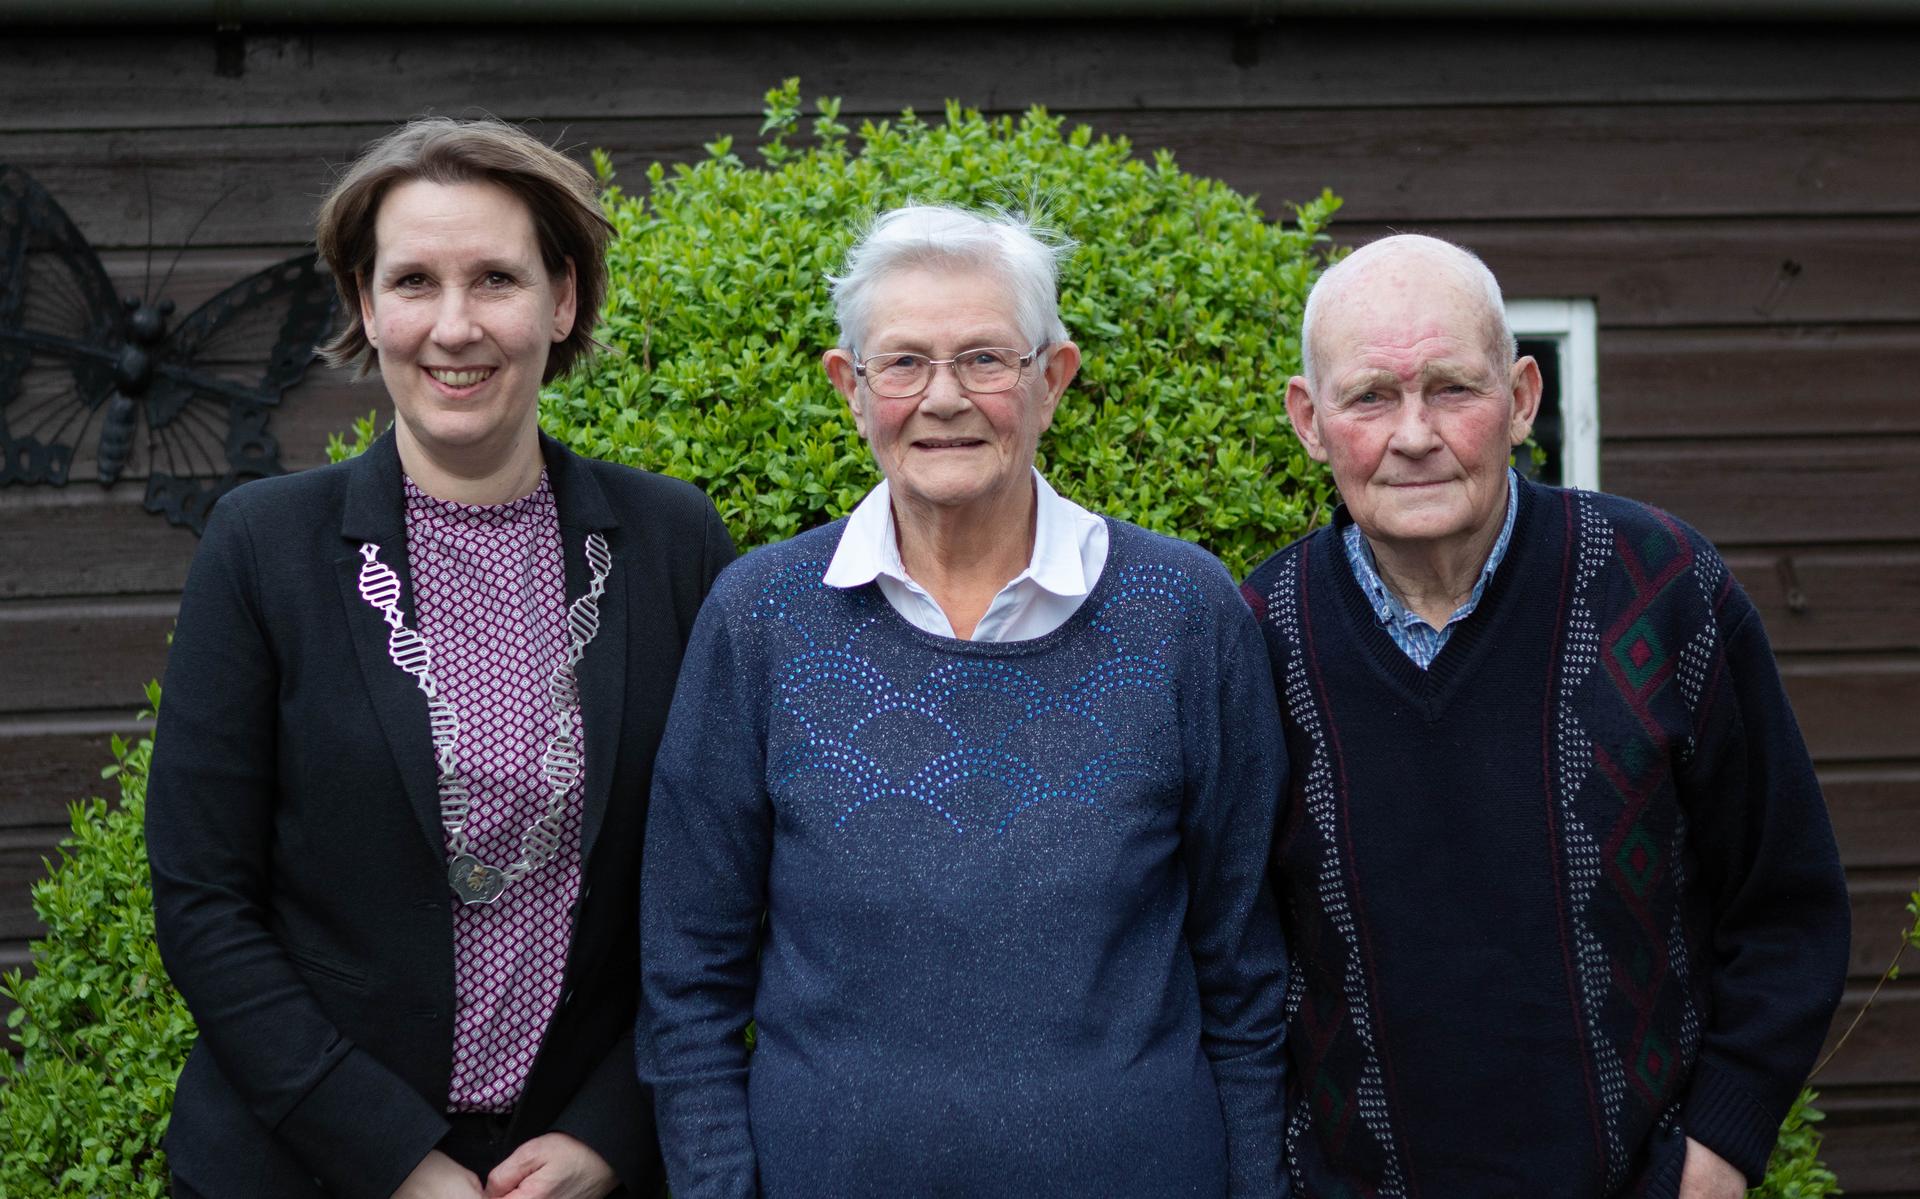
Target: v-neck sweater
<point>1561,900</point>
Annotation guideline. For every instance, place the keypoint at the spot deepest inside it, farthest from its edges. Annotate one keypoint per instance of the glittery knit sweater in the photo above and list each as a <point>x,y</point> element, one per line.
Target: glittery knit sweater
<point>1016,939</point>
<point>1564,899</point>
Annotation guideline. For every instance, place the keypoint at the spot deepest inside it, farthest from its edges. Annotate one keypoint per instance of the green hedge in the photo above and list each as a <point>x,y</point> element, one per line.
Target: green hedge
<point>100,1031</point>
<point>1184,299</point>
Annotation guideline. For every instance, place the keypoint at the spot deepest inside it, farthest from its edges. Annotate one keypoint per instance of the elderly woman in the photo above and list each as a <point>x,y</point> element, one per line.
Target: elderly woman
<point>965,804</point>
<point>400,777</point>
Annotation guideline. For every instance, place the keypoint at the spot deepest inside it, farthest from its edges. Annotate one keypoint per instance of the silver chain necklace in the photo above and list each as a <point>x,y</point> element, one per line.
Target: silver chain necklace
<point>471,879</point>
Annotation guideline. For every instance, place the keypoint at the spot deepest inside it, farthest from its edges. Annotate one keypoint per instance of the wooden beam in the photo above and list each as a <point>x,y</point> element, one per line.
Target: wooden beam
<point>72,81</point>
<point>1827,491</point>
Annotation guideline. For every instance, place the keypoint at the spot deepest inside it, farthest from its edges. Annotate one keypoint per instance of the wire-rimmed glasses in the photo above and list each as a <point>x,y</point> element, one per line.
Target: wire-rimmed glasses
<point>984,370</point>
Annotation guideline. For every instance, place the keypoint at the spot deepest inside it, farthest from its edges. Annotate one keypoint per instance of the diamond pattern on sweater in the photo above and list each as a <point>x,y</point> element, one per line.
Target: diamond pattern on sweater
<point>1350,1036</point>
<point>489,592</point>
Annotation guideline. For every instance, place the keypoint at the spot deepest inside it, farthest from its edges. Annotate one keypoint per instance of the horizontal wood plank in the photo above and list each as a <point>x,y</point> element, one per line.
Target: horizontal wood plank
<point>1786,381</point>
<point>83,540</point>
<point>1426,164</point>
<point>51,762</point>
<point>1445,163</point>
<point>1821,492</point>
<point>1884,1050</point>
<point>1856,707</point>
<point>262,186</point>
<point>1666,273</point>
<point>1880,918</point>
<point>1876,814</point>
<point>1846,598</point>
<point>1872,1138</point>
<point>82,654</point>
<point>55,81</point>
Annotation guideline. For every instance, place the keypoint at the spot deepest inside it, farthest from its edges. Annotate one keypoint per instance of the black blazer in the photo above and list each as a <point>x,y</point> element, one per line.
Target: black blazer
<point>299,864</point>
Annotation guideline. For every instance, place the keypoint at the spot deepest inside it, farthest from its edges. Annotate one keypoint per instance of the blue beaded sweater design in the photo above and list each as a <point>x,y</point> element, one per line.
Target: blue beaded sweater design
<point>1016,934</point>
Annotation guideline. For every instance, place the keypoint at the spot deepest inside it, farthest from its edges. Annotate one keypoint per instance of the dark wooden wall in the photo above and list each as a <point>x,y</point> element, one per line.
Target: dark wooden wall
<point>1742,201</point>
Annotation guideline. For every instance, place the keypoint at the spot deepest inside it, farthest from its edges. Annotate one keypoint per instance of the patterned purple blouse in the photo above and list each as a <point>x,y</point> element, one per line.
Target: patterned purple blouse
<point>489,594</point>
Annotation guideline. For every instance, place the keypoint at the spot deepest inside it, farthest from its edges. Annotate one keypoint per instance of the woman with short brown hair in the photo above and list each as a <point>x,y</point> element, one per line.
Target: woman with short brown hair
<point>399,784</point>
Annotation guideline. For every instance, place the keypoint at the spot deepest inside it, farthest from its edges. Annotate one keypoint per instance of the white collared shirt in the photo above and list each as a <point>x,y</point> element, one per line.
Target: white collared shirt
<point>1069,551</point>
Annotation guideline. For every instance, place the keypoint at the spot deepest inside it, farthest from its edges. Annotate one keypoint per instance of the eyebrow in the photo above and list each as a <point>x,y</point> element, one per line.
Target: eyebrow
<point>408,266</point>
<point>973,340</point>
<point>1457,371</point>
<point>1446,368</point>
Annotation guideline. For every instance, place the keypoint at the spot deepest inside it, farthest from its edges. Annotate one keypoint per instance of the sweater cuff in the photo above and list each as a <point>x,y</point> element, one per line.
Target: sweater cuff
<point>1724,1116</point>
<point>362,1129</point>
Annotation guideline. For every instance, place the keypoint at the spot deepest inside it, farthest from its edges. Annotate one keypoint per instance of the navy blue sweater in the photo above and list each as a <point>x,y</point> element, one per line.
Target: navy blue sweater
<point>1563,900</point>
<point>1016,936</point>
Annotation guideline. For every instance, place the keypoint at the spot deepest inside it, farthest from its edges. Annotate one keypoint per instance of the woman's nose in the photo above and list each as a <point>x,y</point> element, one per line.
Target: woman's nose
<point>453,323</point>
<point>944,396</point>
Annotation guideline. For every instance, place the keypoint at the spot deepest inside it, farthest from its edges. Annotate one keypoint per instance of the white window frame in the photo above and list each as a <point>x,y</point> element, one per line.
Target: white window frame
<point>1571,322</point>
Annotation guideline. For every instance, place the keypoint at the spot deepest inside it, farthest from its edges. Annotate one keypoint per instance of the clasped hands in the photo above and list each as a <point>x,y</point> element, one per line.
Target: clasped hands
<point>552,1166</point>
<point>556,1166</point>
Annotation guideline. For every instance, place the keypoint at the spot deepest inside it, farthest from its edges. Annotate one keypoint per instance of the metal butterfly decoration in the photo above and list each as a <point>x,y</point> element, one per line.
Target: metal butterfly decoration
<point>72,353</point>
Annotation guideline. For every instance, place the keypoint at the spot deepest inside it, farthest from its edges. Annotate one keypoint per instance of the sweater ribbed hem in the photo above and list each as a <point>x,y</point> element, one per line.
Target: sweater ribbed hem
<point>1721,1114</point>
<point>1665,1180</point>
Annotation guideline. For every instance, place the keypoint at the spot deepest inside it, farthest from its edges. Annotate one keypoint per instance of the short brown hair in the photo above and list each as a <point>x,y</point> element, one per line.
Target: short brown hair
<point>558,192</point>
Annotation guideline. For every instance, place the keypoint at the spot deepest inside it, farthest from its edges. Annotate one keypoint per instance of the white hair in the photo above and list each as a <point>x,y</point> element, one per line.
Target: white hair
<point>941,235</point>
<point>1463,262</point>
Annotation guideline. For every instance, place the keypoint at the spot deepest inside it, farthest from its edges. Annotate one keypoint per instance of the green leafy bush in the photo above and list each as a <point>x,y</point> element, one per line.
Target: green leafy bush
<point>1795,1170</point>
<point>100,1031</point>
<point>1184,299</point>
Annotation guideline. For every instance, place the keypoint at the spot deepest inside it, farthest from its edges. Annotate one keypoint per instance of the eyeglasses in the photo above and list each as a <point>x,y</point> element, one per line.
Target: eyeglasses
<point>986,370</point>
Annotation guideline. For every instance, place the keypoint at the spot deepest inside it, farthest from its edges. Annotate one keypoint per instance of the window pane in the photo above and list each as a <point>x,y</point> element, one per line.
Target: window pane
<point>1548,429</point>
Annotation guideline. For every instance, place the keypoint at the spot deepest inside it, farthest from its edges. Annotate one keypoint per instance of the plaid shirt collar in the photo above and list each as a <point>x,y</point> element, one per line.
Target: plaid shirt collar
<point>1419,640</point>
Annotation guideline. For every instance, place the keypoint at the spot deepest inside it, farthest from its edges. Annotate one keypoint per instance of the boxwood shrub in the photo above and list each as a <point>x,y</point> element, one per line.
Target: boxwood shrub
<point>100,1032</point>
<point>1184,299</point>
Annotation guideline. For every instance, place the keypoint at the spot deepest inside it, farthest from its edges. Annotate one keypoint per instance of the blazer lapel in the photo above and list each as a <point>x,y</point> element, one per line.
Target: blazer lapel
<point>376,514</point>
<point>602,672</point>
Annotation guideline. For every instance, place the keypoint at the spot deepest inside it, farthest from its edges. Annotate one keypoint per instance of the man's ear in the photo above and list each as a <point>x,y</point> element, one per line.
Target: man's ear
<point>1300,410</point>
<point>1527,389</point>
<point>839,368</point>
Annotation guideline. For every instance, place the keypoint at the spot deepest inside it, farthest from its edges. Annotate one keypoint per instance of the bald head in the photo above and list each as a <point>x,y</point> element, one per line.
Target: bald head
<point>1387,265</point>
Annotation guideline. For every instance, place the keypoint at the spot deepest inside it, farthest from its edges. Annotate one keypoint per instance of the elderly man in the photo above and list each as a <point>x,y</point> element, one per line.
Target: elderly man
<point>1566,914</point>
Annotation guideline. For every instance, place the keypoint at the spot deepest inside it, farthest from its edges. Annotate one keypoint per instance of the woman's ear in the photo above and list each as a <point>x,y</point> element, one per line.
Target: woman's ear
<point>566,304</point>
<point>839,368</point>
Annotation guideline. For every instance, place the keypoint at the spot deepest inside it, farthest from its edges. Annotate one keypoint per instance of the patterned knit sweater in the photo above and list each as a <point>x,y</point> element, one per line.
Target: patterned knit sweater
<point>1017,938</point>
<point>1561,901</point>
